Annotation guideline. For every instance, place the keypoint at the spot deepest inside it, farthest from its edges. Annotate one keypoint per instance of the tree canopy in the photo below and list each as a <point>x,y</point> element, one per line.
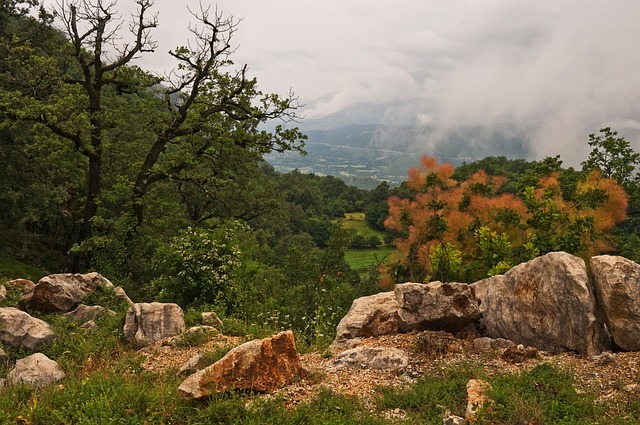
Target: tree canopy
<point>123,129</point>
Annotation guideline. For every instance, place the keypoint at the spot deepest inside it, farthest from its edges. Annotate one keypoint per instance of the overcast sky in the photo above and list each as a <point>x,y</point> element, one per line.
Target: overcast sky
<point>556,69</point>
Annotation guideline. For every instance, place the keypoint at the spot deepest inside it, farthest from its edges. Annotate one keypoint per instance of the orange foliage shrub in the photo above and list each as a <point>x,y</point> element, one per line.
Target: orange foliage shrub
<point>445,212</point>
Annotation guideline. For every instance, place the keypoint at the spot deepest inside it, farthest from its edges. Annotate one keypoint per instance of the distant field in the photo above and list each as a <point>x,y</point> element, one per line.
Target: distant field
<point>356,222</point>
<point>362,259</point>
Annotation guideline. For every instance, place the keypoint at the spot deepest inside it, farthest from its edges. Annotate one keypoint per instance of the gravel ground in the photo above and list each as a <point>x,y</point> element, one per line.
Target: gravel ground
<point>613,377</point>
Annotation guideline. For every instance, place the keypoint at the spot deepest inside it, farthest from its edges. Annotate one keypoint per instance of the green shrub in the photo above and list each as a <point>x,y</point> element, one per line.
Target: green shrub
<point>198,266</point>
<point>73,346</point>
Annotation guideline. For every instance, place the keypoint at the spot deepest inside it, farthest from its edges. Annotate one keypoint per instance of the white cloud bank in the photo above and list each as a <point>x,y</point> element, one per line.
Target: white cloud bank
<point>555,69</point>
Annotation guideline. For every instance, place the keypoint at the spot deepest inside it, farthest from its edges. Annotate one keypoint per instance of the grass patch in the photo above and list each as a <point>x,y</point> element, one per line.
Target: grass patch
<point>355,221</point>
<point>542,395</point>
<point>362,260</point>
<point>433,397</point>
<point>10,268</point>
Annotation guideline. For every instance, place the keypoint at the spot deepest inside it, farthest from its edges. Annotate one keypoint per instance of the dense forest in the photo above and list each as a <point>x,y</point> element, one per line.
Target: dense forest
<point>159,182</point>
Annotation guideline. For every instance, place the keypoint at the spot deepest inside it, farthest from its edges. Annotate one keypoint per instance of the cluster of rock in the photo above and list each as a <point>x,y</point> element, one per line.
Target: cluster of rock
<point>260,365</point>
<point>64,293</point>
<point>548,303</point>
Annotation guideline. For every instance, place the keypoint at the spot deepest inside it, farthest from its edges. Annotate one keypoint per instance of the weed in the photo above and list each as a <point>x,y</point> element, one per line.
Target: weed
<point>433,396</point>
<point>210,357</point>
<point>542,395</point>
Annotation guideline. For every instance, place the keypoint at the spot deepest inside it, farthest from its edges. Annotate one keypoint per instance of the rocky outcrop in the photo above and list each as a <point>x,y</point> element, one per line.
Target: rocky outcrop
<point>373,315</point>
<point>437,306</point>
<point>383,358</point>
<point>84,313</point>
<point>61,292</point>
<point>545,303</point>
<point>36,369</point>
<point>146,323</point>
<point>259,365</point>
<point>20,330</point>
<point>617,283</point>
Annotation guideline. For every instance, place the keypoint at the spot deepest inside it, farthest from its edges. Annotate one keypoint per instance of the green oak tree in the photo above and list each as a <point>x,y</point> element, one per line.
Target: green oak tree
<point>127,129</point>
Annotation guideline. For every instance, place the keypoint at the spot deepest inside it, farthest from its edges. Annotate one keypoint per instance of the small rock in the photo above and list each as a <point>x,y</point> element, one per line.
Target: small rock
<point>3,293</point>
<point>519,354</point>
<point>453,420</point>
<point>84,313</point>
<point>193,336</point>
<point>22,285</point>
<point>381,358</point>
<point>89,326</point>
<point>210,318</point>
<point>485,344</point>
<point>604,358</point>
<point>343,344</point>
<point>259,365</point>
<point>631,388</point>
<point>122,295</point>
<point>477,397</point>
<point>194,364</point>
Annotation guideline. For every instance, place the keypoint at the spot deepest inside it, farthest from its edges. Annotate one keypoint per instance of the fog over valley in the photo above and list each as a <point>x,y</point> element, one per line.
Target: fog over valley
<point>544,74</point>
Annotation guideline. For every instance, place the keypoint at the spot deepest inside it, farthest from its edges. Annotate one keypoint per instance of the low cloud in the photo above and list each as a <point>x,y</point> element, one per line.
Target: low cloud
<point>554,70</point>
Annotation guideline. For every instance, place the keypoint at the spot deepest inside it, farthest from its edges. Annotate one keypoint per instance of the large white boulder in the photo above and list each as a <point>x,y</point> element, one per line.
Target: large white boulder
<point>617,283</point>
<point>545,303</point>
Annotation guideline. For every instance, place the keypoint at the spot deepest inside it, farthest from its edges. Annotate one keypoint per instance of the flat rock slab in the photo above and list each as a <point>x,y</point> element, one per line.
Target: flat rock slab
<point>381,358</point>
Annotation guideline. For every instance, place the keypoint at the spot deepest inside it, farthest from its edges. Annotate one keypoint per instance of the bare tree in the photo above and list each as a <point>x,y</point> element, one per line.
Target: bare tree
<point>93,28</point>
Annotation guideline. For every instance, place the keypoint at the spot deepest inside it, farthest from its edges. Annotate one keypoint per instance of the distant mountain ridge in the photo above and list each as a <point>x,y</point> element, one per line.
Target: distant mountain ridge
<point>386,152</point>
